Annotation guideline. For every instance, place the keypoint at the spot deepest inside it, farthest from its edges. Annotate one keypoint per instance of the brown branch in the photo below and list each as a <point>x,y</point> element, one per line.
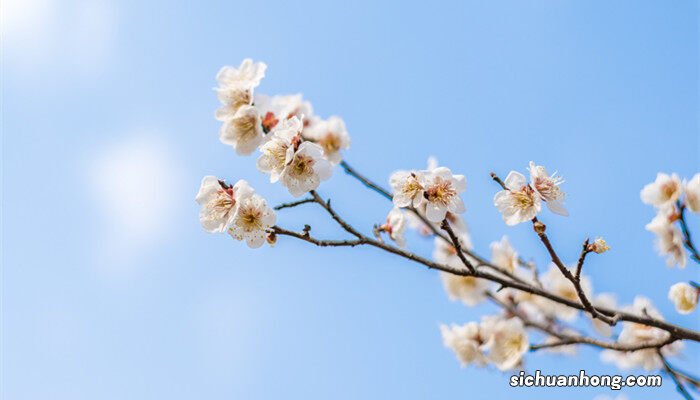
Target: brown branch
<point>581,259</point>
<point>351,171</point>
<point>386,194</point>
<point>294,204</point>
<point>540,229</point>
<point>318,242</point>
<point>677,332</point>
<point>687,239</point>
<point>457,245</point>
<point>569,339</point>
<point>676,379</point>
<point>498,180</point>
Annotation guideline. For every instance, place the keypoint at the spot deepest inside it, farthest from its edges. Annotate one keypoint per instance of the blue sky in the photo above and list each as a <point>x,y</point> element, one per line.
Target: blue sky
<point>110,288</point>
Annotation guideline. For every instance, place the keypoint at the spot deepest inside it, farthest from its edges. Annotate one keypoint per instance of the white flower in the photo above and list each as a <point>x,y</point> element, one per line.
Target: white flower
<point>273,159</point>
<point>684,296</point>
<point>606,300</point>
<point>252,220</point>
<point>305,168</point>
<point>395,226</point>
<point>331,135</point>
<point>467,289</point>
<point>442,193</point>
<point>503,255</point>
<point>599,246</point>
<point>507,342</point>
<point>664,191</point>
<point>274,109</point>
<point>236,86</point>
<point>547,187</point>
<point>219,204</point>
<point>519,202</point>
<point>692,194</point>
<point>638,334</point>
<point>465,341</point>
<point>407,188</point>
<point>243,131</point>
<point>669,239</point>
<point>555,282</point>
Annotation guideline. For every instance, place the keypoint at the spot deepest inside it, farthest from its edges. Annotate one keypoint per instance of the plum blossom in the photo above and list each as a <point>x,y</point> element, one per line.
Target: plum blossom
<point>219,203</point>
<point>242,131</point>
<point>669,239</point>
<point>684,296</point>
<point>599,246</point>
<point>518,202</point>
<point>395,226</point>
<point>637,334</point>
<point>252,220</point>
<point>273,159</point>
<point>467,289</point>
<point>507,341</point>
<point>465,341</point>
<point>547,187</point>
<point>274,109</point>
<point>692,193</point>
<point>407,188</point>
<point>305,168</point>
<point>331,135</point>
<point>503,255</point>
<point>441,192</point>
<point>663,192</point>
<point>236,86</point>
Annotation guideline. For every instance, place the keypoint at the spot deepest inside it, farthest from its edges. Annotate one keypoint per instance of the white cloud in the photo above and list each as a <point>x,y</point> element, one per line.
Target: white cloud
<point>136,184</point>
<point>57,36</point>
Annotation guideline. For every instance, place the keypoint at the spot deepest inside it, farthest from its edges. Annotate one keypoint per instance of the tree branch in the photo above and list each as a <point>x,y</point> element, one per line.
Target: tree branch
<point>294,203</point>
<point>457,245</point>
<point>540,229</point>
<point>676,379</point>
<point>687,239</point>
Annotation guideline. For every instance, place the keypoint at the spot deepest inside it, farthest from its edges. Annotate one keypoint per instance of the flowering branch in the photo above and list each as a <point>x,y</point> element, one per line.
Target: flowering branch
<point>540,229</point>
<point>299,150</point>
<point>675,331</point>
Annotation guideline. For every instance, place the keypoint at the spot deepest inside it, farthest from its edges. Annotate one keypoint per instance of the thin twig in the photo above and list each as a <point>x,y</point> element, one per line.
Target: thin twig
<point>540,229</point>
<point>687,239</point>
<point>581,259</point>
<point>570,339</point>
<point>294,203</point>
<point>457,245</point>
<point>677,332</point>
<point>676,379</point>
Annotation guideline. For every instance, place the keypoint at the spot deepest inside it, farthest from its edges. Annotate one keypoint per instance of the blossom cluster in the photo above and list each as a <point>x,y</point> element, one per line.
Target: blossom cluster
<point>297,148</point>
<point>666,193</point>
<point>235,209</point>
<point>521,201</point>
<point>495,340</point>
<point>671,196</point>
